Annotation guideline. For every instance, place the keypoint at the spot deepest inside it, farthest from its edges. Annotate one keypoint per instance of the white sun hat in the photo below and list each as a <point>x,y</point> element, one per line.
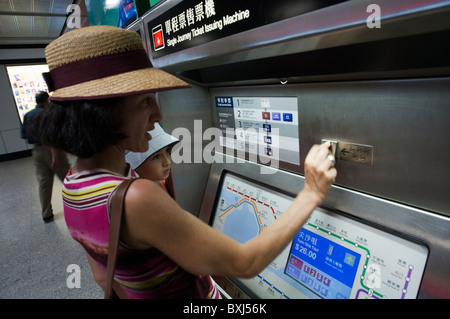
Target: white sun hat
<point>160,139</point>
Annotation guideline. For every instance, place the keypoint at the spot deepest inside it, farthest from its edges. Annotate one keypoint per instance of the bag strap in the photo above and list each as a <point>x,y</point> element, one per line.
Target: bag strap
<point>116,208</point>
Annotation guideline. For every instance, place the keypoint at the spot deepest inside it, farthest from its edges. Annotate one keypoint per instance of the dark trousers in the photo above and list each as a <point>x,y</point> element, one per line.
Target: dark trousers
<point>42,158</point>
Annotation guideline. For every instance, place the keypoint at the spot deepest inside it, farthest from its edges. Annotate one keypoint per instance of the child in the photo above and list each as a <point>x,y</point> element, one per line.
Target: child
<point>155,163</point>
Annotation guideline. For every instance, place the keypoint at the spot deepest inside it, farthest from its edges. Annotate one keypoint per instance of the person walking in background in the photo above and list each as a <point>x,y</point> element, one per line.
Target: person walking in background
<point>48,161</point>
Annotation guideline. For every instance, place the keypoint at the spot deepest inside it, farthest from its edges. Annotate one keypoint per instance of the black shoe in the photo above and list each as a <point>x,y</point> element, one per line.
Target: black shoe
<point>48,219</point>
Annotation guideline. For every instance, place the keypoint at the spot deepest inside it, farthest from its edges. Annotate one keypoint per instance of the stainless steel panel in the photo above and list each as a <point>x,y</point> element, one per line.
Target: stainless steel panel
<point>431,229</point>
<point>180,108</point>
<point>405,121</point>
<point>138,26</point>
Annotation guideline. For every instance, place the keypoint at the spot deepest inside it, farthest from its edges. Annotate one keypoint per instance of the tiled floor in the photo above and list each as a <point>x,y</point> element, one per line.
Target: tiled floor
<point>34,256</point>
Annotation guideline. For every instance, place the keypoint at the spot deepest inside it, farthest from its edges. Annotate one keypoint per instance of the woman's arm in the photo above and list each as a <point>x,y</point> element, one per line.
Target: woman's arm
<point>153,219</point>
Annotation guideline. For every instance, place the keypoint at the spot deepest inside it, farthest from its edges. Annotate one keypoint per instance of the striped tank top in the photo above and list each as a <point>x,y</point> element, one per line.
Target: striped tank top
<point>142,274</point>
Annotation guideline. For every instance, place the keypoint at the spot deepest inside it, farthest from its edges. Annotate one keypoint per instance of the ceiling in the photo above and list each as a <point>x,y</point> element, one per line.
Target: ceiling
<point>36,22</point>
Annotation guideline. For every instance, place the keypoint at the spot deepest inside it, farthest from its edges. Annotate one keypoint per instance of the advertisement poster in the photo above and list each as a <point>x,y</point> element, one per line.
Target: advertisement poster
<point>117,13</point>
<point>26,81</point>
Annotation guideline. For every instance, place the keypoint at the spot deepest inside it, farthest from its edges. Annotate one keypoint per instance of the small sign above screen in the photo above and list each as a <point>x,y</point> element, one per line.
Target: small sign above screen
<point>263,127</point>
<point>331,257</point>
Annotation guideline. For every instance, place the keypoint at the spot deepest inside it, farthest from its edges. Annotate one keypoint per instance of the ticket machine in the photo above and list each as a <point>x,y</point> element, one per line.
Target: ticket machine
<point>271,79</point>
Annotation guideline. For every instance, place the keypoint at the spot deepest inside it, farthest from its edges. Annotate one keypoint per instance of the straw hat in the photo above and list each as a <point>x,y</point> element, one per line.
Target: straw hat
<point>160,139</point>
<point>98,62</point>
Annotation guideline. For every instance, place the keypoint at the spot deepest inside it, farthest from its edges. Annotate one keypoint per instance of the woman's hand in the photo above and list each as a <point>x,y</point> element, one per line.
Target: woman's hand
<point>319,171</point>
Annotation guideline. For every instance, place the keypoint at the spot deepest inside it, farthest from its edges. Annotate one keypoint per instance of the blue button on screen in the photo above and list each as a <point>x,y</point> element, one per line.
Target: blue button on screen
<point>287,117</point>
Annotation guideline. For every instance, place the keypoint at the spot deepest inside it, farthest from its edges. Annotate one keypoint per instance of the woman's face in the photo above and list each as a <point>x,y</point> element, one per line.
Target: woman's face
<point>138,114</point>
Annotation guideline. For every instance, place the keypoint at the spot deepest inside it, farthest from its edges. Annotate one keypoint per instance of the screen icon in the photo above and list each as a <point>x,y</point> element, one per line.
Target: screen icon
<point>276,116</point>
<point>287,117</point>
<point>266,115</point>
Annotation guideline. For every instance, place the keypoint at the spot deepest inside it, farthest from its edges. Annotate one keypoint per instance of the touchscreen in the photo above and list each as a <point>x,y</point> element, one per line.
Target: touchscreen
<point>331,257</point>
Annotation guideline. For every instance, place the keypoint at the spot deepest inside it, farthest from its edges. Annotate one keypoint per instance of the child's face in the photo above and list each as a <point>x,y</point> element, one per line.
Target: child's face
<point>157,166</point>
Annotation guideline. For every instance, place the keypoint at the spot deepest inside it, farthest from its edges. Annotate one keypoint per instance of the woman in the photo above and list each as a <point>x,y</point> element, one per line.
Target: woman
<point>103,103</point>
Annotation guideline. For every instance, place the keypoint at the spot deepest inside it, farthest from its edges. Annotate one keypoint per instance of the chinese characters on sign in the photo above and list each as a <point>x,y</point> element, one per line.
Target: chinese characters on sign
<point>190,16</point>
<point>193,19</point>
<point>194,22</point>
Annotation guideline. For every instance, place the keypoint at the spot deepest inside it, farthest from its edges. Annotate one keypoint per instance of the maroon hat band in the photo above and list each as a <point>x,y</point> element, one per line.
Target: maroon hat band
<point>96,68</point>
